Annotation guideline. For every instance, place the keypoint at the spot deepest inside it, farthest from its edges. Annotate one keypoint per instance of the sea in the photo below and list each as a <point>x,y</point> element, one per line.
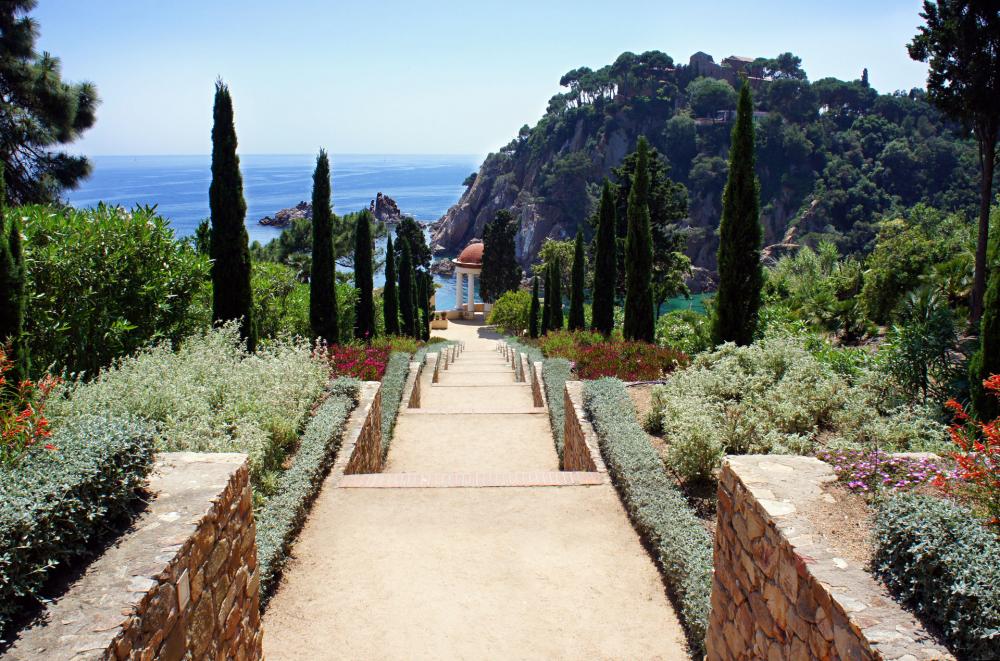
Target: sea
<point>423,186</point>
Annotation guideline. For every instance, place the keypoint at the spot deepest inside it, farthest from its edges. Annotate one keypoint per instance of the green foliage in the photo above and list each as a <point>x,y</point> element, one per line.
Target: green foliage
<point>707,96</point>
<point>548,254</point>
<point>576,321</point>
<point>281,518</point>
<point>639,312</point>
<point>501,272</point>
<point>211,395</point>
<point>533,310</point>
<point>547,303</point>
<point>364,252</point>
<point>512,312</point>
<point>390,296</point>
<point>232,297</point>
<point>774,396</point>
<point>605,264</point>
<point>324,319</point>
<point>685,330</point>
<point>280,301</point>
<point>426,285</point>
<point>986,361</point>
<point>12,292</point>
<point>681,545</point>
<point>103,282</point>
<point>555,373</point>
<point>40,113</point>
<point>56,504</point>
<point>410,230</point>
<point>555,291</point>
<point>740,234</point>
<point>407,290</point>
<point>393,383</point>
<point>937,557</point>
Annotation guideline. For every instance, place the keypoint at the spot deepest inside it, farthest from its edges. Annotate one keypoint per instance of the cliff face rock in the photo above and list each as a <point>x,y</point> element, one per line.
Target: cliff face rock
<point>285,217</point>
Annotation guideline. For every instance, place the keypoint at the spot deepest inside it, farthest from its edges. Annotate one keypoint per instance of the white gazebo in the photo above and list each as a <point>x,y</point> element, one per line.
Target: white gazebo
<point>468,266</point>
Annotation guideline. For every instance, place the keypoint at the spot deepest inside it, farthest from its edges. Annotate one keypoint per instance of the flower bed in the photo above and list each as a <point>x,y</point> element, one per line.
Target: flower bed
<point>870,471</point>
<point>281,518</point>
<point>55,503</point>
<point>595,358</point>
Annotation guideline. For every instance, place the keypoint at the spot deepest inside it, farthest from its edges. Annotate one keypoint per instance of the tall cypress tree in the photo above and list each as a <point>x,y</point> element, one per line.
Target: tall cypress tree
<point>425,305</point>
<point>533,312</point>
<point>390,298</point>
<point>605,265</point>
<point>986,361</point>
<point>12,295</point>
<point>576,318</point>
<point>640,318</point>
<point>741,278</point>
<point>323,311</point>
<point>364,306</point>
<point>232,297</point>
<point>500,273</point>
<point>406,302</point>
<point>547,304</point>
<point>557,302</point>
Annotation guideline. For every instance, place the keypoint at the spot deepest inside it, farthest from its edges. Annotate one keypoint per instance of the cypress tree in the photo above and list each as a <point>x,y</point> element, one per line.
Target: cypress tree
<point>406,308</point>
<point>986,361</point>
<point>323,315</point>
<point>364,306</point>
<point>640,318</point>
<point>740,276</point>
<point>390,298</point>
<point>547,305</point>
<point>557,302</point>
<point>12,295</point>
<point>425,304</point>
<point>500,273</point>
<point>605,265</point>
<point>576,318</point>
<point>232,297</point>
<point>533,313</point>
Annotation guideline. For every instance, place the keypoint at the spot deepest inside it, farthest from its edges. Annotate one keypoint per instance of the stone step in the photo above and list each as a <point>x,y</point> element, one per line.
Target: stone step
<point>469,480</point>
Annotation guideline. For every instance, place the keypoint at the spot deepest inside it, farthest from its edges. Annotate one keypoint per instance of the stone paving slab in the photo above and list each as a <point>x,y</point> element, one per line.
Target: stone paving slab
<point>469,480</point>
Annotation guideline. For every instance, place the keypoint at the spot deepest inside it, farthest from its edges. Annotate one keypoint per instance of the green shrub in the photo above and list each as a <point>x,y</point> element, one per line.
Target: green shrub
<point>55,503</point>
<point>555,373</point>
<point>103,282</point>
<point>209,396</point>
<point>943,564</point>
<point>393,384</point>
<point>280,301</point>
<point>659,511</point>
<point>510,312</point>
<point>281,518</point>
<point>684,330</point>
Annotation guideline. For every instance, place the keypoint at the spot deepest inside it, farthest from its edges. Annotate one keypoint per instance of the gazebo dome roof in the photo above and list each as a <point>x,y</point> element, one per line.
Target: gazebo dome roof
<point>471,257</point>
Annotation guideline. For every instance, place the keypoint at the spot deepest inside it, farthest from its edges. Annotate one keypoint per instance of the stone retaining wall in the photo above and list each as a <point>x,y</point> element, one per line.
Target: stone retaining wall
<point>580,449</point>
<point>537,389</point>
<point>361,449</point>
<point>779,592</point>
<point>182,583</point>
<point>411,393</point>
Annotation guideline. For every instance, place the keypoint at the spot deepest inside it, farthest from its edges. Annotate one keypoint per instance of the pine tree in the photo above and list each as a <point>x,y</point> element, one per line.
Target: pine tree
<point>232,297</point>
<point>364,305</point>
<point>737,302</point>
<point>557,302</point>
<point>605,265</point>
<point>986,361</point>
<point>406,302</point>
<point>390,298</point>
<point>12,294</point>
<point>533,313</point>
<point>640,318</point>
<point>576,318</point>
<point>323,316</point>
<point>547,304</point>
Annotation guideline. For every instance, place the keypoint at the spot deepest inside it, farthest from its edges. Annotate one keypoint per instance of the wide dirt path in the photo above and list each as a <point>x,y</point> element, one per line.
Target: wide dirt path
<point>409,564</point>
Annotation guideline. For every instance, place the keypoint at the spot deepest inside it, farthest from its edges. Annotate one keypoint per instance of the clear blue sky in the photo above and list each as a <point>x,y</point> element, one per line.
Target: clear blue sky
<point>416,77</point>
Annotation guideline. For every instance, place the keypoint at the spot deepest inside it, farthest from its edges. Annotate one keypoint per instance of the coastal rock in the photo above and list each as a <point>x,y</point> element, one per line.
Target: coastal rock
<point>285,217</point>
<point>443,267</point>
<point>385,209</point>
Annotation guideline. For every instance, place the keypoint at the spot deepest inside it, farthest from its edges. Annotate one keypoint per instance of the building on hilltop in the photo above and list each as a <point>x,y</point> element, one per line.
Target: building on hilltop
<point>732,69</point>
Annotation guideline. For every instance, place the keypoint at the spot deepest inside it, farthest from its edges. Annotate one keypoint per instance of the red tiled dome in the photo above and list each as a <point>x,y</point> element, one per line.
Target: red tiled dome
<point>471,256</point>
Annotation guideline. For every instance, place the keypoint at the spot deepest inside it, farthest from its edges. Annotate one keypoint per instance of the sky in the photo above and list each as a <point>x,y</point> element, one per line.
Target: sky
<point>416,77</point>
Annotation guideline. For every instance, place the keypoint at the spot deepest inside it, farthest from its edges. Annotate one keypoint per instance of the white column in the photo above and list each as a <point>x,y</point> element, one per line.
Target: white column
<point>472,293</point>
<point>458,289</point>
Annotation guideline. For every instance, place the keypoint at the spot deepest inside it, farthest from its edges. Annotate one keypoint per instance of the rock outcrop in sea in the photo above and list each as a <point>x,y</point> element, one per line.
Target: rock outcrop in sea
<point>285,217</point>
<point>385,209</point>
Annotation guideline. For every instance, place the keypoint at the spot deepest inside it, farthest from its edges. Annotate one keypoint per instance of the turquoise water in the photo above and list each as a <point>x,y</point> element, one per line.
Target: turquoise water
<point>424,186</point>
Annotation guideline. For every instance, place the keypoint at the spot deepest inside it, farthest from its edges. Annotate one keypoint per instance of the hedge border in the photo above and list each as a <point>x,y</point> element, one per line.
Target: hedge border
<point>283,515</point>
<point>660,512</point>
<point>55,504</point>
<point>393,384</point>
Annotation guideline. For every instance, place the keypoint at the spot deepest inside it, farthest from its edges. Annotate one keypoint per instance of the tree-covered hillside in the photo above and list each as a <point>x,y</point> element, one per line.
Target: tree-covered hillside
<point>833,156</point>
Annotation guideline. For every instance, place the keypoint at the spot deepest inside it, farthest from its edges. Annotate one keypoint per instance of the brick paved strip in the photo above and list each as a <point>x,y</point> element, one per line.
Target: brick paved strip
<point>469,480</point>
